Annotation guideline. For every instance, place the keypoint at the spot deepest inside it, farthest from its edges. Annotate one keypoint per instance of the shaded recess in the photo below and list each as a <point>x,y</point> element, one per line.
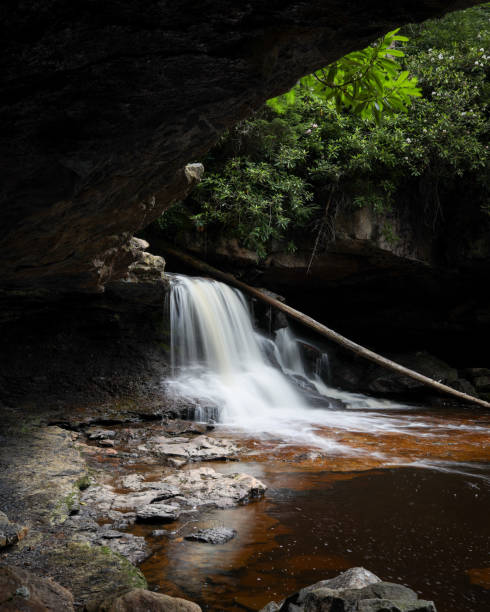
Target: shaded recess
<point>104,104</point>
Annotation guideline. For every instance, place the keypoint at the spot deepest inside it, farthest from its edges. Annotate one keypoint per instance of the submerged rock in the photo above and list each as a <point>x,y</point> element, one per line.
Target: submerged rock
<point>357,590</point>
<point>22,590</point>
<point>214,535</point>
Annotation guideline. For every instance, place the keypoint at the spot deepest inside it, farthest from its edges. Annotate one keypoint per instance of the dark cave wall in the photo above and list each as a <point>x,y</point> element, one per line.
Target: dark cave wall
<point>104,103</point>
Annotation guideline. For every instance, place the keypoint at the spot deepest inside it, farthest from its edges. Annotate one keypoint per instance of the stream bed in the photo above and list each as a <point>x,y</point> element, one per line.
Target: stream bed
<point>410,504</point>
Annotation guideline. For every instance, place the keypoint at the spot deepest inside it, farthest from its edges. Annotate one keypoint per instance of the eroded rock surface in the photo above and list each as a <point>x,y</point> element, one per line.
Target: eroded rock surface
<point>213,535</point>
<point>180,493</point>
<point>178,451</point>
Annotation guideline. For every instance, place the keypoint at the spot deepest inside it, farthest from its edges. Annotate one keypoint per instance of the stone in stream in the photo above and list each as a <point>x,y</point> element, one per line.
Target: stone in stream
<point>214,535</point>
<point>158,513</point>
<point>358,590</point>
<point>201,448</point>
<point>205,487</point>
<point>182,492</point>
<point>100,434</point>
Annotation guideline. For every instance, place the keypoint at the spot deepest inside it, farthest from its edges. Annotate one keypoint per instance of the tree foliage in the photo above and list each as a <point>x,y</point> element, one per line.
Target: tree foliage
<point>367,82</point>
<point>276,177</point>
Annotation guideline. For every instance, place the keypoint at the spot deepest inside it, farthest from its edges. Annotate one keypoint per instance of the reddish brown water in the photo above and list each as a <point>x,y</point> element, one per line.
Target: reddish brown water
<point>426,527</point>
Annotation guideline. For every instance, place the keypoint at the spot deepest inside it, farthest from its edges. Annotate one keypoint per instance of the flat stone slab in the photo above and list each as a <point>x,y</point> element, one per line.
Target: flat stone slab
<point>158,513</point>
<point>200,448</point>
<point>182,492</point>
<point>356,589</point>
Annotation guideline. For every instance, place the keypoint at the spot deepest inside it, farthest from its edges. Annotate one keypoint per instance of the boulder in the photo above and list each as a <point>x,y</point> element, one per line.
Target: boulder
<point>353,578</point>
<point>141,600</point>
<point>356,590</point>
<point>215,535</point>
<point>22,591</point>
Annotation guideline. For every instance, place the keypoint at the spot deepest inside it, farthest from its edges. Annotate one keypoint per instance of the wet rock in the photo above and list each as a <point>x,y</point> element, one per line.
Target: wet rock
<point>358,590</point>
<point>10,532</point>
<point>206,487</point>
<point>141,600</point>
<point>166,500</point>
<point>133,548</point>
<point>201,448</point>
<point>180,428</point>
<point>381,597</point>
<point>158,513</point>
<point>215,535</point>
<point>100,434</point>
<point>21,590</point>
<point>353,578</point>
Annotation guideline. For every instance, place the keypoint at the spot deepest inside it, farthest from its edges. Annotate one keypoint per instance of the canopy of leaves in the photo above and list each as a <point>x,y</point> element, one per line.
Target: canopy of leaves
<point>277,176</point>
<point>366,82</point>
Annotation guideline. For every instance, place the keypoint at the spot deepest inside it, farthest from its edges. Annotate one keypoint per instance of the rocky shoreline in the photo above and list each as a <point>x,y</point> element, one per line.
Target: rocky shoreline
<point>70,496</point>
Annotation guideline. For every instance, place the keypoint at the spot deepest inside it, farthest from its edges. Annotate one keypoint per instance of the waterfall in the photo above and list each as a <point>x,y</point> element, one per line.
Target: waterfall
<point>230,373</point>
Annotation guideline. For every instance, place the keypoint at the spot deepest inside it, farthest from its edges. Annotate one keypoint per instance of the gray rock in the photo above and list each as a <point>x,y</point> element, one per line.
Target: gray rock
<point>130,546</point>
<point>100,434</point>
<point>206,487</point>
<point>378,597</point>
<point>356,590</point>
<point>158,513</point>
<point>200,448</point>
<point>215,535</point>
<point>353,578</point>
<point>187,492</point>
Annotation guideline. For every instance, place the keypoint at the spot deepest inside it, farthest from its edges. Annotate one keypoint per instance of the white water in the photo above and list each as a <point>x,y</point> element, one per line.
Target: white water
<point>236,376</point>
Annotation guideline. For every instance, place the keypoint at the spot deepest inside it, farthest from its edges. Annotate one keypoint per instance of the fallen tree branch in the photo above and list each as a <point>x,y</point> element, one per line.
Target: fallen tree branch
<point>320,328</point>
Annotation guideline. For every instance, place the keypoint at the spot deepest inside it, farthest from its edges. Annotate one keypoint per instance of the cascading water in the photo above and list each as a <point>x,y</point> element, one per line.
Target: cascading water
<point>232,374</point>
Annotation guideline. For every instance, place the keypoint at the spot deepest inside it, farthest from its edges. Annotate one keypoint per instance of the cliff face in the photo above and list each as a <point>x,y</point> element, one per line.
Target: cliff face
<point>103,104</point>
